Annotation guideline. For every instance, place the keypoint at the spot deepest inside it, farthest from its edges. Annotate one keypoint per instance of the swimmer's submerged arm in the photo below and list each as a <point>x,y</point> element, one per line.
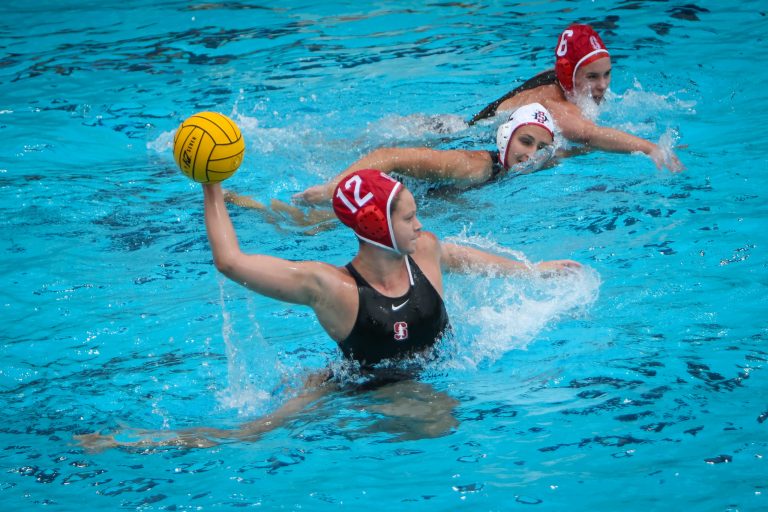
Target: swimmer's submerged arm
<point>289,281</point>
<point>460,258</point>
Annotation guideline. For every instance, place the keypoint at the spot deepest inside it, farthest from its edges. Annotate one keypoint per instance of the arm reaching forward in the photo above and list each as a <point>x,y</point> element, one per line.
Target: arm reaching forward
<point>460,258</point>
<point>576,127</point>
<point>462,166</point>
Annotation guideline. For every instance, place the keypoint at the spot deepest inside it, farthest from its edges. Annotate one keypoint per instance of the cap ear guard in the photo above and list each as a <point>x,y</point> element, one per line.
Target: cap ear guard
<point>371,222</point>
<point>503,134</point>
<point>564,72</point>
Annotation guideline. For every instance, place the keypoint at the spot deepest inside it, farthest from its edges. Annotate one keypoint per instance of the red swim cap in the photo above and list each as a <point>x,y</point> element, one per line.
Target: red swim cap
<point>577,46</point>
<point>363,201</point>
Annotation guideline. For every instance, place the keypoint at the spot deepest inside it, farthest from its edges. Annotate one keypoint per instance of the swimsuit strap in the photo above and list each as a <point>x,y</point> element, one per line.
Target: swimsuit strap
<point>497,168</point>
<point>355,274</point>
<point>361,280</point>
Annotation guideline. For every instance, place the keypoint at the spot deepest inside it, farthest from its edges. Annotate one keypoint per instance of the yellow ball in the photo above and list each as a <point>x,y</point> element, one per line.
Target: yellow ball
<point>208,147</point>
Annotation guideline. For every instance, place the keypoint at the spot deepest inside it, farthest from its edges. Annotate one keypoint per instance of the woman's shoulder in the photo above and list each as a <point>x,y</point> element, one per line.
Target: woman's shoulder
<point>427,248</point>
<point>328,275</point>
<point>427,256</point>
<point>428,239</point>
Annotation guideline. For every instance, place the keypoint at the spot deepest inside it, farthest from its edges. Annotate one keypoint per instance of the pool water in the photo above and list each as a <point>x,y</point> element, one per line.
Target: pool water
<point>636,384</point>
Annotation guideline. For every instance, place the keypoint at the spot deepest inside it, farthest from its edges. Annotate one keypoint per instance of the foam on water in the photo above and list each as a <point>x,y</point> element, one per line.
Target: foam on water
<point>163,143</point>
<point>248,379</point>
<point>499,314</point>
<point>415,126</point>
<point>620,110</point>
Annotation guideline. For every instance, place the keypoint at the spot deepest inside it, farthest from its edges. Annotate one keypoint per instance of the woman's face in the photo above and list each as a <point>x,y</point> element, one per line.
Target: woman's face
<point>405,224</point>
<point>593,79</point>
<point>527,140</point>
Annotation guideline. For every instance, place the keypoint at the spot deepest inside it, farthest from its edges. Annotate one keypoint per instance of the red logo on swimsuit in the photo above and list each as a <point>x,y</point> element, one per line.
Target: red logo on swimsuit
<point>401,331</point>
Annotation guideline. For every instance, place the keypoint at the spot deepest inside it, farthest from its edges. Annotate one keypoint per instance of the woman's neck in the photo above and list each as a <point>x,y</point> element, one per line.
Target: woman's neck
<point>385,270</point>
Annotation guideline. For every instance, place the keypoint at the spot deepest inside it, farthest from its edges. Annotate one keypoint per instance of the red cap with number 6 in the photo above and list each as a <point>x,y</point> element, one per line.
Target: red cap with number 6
<point>577,46</point>
<point>363,201</point>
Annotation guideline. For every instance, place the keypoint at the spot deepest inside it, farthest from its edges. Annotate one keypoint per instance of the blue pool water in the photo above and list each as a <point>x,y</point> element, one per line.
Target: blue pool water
<point>638,384</point>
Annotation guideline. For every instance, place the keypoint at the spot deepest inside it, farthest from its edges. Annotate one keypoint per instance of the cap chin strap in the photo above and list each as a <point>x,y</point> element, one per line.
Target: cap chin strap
<point>504,162</point>
<point>372,223</point>
<point>378,244</point>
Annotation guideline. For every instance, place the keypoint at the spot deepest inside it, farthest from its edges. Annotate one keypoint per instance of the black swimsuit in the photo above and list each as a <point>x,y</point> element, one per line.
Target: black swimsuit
<point>393,328</point>
<point>497,168</point>
<point>545,78</point>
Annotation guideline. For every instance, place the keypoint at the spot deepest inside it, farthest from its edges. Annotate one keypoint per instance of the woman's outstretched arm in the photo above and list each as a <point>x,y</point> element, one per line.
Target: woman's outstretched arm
<point>460,258</point>
<point>461,166</point>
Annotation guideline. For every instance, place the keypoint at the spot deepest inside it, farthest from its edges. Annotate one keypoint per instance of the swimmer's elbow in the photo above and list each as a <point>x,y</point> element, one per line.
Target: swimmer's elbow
<point>478,174</point>
<point>383,159</point>
<point>226,262</point>
<point>451,257</point>
<point>579,135</point>
<point>223,265</point>
<point>580,131</point>
<point>381,153</point>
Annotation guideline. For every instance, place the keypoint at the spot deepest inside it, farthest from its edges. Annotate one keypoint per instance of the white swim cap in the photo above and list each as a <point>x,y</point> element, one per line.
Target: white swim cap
<point>533,113</point>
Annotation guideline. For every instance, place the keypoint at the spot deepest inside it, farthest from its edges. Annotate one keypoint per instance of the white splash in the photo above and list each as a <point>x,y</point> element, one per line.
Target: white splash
<point>622,110</point>
<point>589,108</point>
<point>163,143</point>
<point>246,377</point>
<point>493,315</point>
<point>259,140</point>
<point>415,126</point>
